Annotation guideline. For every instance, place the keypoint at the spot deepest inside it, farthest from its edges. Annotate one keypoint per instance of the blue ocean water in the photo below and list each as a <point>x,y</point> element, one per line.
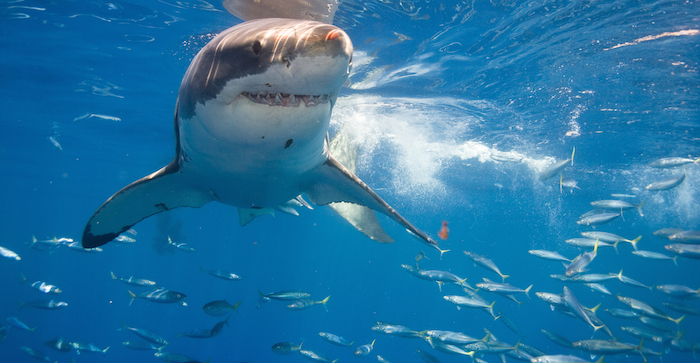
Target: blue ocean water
<point>441,91</point>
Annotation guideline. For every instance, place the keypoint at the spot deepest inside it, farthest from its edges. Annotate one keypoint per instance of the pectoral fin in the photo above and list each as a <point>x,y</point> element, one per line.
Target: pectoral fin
<point>363,219</point>
<point>344,149</point>
<point>332,183</point>
<point>163,190</point>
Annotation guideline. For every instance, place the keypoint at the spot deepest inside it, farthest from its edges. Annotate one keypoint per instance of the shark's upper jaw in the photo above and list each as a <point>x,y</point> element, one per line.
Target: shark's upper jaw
<point>285,99</point>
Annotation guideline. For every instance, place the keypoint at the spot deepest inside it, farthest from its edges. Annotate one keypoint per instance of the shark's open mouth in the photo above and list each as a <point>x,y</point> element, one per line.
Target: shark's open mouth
<point>285,99</point>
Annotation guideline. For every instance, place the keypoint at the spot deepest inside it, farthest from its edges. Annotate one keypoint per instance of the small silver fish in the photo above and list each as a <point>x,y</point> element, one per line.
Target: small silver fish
<point>180,246</point>
<point>679,291</point>
<point>224,275</point>
<point>315,357</point>
<point>684,250</point>
<point>42,286</point>
<point>578,309</point>
<point>598,218</point>
<point>549,255</point>
<point>557,167</point>
<point>45,304</point>
<point>579,263</point>
<point>334,339</point>
<point>364,349</point>
<point>286,348</point>
<point>656,256</point>
<point>146,334</point>
<point>160,295</point>
<point>4,252</point>
<point>567,183</point>
<point>686,237</point>
<point>470,303</point>
<point>610,238</point>
<point>666,184</point>
<point>87,347</point>
<point>134,281</point>
<point>19,324</point>
<point>672,162</point>
<point>485,263</point>
<point>306,303</point>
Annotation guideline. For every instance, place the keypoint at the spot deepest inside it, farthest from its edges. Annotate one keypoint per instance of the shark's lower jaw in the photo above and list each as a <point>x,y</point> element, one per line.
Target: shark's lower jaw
<point>285,99</point>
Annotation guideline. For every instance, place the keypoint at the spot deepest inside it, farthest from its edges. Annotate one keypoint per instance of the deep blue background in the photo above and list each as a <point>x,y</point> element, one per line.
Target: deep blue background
<point>533,77</point>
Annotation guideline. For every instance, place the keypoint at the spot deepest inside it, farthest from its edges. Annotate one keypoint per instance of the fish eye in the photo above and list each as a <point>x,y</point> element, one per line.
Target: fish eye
<point>257,47</point>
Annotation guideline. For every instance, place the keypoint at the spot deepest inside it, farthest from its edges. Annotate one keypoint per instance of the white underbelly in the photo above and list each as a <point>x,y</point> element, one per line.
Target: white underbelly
<point>254,163</point>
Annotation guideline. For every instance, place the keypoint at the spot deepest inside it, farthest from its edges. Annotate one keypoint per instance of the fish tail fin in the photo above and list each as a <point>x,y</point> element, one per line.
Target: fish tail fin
<point>226,321</point>
<point>34,240</point>
<point>490,309</point>
<point>124,326</point>
<point>503,277</point>
<point>594,309</point>
<point>442,252</point>
<point>22,304</point>
<point>595,248</point>
<point>678,321</point>
<point>635,241</point>
<point>639,349</point>
<point>600,360</point>
<point>615,247</point>
<point>133,296</point>
<point>639,208</point>
<point>675,260</point>
<point>114,277</point>
<point>572,155</point>
<point>619,275</point>
<point>105,350</point>
<point>324,301</point>
<point>236,306</point>
<point>697,161</point>
<point>23,278</point>
<point>527,291</point>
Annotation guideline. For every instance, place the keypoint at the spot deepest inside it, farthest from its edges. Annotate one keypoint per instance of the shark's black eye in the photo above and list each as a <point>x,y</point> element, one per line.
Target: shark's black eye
<point>257,47</point>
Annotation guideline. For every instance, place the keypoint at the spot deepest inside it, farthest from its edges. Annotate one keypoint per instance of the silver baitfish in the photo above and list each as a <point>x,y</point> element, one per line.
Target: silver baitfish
<point>45,304</point>
<point>131,280</point>
<point>162,296</point>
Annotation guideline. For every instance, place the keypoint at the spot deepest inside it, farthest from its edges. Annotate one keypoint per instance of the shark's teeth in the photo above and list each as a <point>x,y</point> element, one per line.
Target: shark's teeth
<point>285,99</point>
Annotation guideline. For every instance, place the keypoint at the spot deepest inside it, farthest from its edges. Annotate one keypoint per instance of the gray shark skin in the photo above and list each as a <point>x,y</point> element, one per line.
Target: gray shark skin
<point>251,130</point>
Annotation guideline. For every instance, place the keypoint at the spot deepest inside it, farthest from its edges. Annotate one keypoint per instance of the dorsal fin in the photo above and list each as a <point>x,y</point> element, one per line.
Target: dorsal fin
<point>317,10</point>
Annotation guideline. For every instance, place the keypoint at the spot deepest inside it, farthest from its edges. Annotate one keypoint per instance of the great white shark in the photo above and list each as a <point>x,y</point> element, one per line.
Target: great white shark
<point>251,129</point>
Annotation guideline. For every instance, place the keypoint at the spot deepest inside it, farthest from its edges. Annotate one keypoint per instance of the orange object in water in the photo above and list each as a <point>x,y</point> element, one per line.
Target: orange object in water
<point>444,231</point>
